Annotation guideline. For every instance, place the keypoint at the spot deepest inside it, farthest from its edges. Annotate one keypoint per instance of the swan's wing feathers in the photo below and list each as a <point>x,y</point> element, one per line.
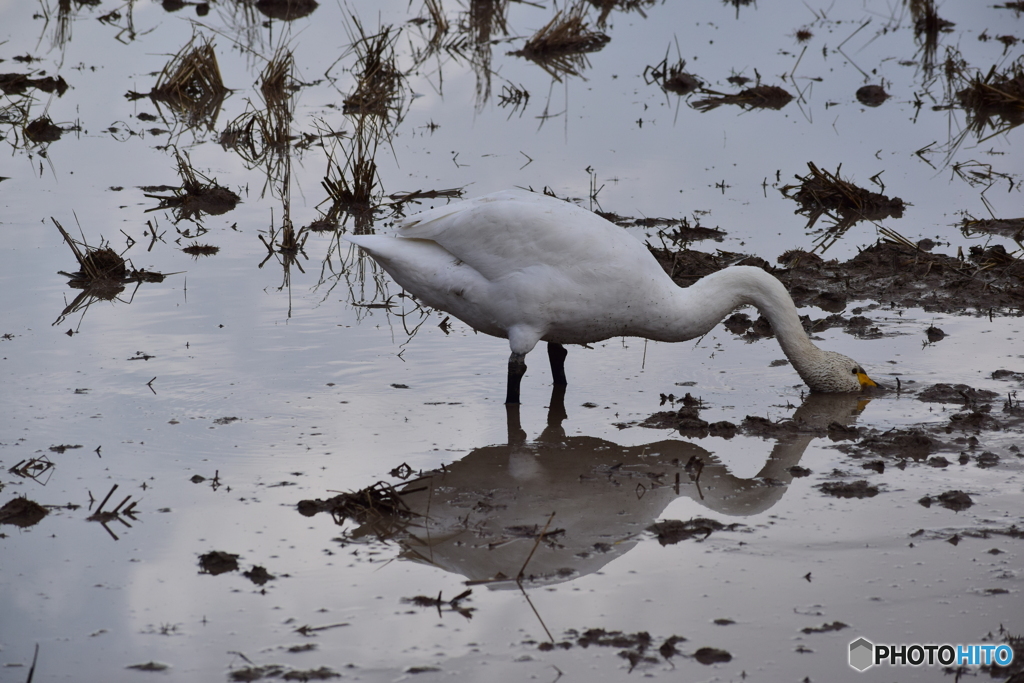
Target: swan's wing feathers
<point>422,267</point>
<point>506,232</point>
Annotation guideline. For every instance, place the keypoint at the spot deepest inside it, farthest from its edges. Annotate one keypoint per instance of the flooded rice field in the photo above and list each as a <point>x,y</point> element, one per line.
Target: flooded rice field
<point>233,449</point>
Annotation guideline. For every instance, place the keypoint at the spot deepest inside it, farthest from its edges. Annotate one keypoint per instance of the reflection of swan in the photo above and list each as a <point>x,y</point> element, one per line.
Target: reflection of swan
<point>528,268</point>
<point>481,515</point>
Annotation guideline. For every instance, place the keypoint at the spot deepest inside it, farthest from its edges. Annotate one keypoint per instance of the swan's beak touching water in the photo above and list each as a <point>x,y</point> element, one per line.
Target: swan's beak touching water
<point>864,380</point>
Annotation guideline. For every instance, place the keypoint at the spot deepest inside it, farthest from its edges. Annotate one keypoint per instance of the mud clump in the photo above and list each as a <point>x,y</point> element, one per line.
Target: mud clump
<point>286,10</point>
<point>218,562</point>
<point>197,195</point>
<point>911,444</point>
<point>637,648</point>
<point>956,393</point>
<point>43,130</point>
<point>855,489</point>
<point>22,512</point>
<point>17,84</point>
<point>258,575</point>
<point>952,500</point>
<point>872,95</point>
<point>712,655</point>
<point>672,531</point>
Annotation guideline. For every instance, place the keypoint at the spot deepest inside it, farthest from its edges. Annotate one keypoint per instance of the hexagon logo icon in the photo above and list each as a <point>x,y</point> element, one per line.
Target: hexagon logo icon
<point>861,651</point>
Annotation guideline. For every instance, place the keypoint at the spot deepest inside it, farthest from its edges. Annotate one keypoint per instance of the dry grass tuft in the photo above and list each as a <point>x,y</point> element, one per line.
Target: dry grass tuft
<point>560,47</point>
<point>197,195</point>
<point>98,264</point>
<point>993,101</point>
<point>102,274</point>
<point>821,192</point>
<point>351,186</point>
<point>191,85</point>
<point>379,83</point>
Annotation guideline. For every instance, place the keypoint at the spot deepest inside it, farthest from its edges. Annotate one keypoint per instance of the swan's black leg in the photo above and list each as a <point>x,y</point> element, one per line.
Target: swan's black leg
<point>516,370</point>
<point>557,354</point>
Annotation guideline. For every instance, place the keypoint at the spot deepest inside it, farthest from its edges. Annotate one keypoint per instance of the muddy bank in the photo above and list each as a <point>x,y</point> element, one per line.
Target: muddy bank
<point>983,280</point>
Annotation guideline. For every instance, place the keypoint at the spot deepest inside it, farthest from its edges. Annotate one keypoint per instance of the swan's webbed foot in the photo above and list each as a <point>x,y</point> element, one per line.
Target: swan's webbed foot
<point>557,354</point>
<point>516,370</point>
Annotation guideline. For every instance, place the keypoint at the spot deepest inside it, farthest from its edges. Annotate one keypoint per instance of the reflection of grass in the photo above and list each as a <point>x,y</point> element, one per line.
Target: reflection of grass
<point>263,136</point>
<point>927,26</point>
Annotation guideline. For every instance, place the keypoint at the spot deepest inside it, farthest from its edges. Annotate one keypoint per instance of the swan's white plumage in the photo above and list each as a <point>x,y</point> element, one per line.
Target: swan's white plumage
<point>529,267</point>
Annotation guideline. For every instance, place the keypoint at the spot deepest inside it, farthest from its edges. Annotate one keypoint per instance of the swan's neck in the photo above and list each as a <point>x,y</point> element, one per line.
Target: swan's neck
<point>707,302</point>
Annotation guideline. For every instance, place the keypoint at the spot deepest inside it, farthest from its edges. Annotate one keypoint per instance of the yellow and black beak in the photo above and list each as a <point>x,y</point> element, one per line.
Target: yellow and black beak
<point>865,381</point>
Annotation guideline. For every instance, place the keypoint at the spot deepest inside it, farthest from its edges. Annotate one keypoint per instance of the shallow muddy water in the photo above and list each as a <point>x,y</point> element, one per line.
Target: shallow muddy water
<point>247,380</point>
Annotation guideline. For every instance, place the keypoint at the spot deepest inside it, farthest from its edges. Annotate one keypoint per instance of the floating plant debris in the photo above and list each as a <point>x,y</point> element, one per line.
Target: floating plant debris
<point>198,250</point>
<point>672,78</point>
<point>671,531</point>
<point>758,97</point>
<point>17,84</point>
<point>371,503</point>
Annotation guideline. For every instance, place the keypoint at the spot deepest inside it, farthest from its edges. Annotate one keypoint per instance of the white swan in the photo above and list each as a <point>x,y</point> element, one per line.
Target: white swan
<point>528,267</point>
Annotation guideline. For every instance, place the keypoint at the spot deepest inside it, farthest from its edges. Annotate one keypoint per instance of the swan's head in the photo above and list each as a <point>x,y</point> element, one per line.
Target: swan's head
<point>835,373</point>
